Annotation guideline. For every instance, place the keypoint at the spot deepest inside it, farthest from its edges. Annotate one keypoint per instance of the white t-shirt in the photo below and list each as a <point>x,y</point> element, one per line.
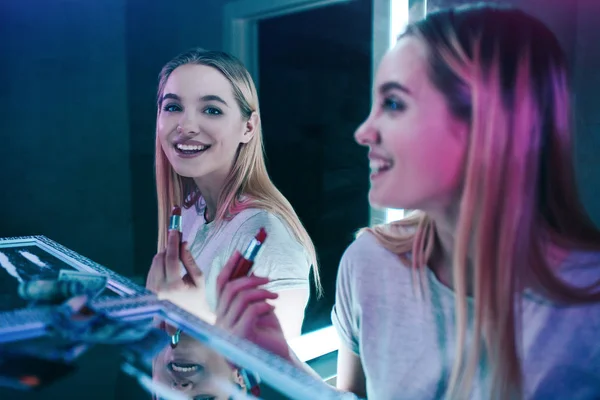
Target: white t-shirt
<point>282,258</point>
<point>407,345</point>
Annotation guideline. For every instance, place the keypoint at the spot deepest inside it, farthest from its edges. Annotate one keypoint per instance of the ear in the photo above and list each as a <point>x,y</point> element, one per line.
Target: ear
<point>251,127</point>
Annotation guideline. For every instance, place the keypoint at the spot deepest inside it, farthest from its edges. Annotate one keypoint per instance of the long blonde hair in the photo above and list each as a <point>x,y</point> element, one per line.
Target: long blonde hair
<point>504,73</point>
<point>248,185</point>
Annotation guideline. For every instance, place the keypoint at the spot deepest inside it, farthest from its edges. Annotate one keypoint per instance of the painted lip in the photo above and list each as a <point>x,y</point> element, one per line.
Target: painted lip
<point>374,156</point>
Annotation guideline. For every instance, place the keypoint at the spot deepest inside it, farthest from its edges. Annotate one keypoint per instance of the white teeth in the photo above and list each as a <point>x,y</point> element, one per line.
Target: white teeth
<point>379,165</point>
<point>183,369</point>
<point>191,147</point>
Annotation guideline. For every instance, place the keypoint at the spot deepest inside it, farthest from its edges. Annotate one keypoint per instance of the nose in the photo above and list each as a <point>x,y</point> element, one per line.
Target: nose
<point>182,386</point>
<point>367,134</point>
<point>187,125</point>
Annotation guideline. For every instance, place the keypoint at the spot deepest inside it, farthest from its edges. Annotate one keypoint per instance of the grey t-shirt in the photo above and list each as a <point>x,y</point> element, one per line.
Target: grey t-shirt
<point>407,345</point>
<point>282,258</point>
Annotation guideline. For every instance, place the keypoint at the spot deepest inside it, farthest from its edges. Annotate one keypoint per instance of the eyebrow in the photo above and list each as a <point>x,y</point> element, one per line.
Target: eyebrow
<point>213,97</point>
<point>208,97</point>
<point>388,86</point>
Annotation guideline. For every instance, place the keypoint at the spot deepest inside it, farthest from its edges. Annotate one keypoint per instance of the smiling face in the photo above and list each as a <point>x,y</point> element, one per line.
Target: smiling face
<point>200,125</point>
<point>417,147</point>
<point>193,369</point>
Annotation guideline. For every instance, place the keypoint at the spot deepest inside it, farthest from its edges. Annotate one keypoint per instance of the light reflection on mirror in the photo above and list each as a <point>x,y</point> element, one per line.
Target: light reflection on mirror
<point>399,15</point>
<point>392,214</point>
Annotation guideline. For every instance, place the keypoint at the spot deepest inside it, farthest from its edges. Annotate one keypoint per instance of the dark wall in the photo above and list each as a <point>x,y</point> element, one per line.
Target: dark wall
<point>64,124</point>
<point>156,32</point>
<point>78,115</point>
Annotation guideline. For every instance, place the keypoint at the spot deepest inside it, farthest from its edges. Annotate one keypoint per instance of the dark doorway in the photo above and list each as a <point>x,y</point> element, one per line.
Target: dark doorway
<point>315,90</point>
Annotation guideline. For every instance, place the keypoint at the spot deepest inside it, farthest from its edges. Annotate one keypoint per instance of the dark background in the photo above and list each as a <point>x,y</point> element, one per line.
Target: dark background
<point>77,94</point>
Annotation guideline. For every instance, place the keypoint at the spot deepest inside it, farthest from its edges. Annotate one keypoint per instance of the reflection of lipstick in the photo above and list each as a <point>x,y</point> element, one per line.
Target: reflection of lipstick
<point>247,260</point>
<point>175,222</point>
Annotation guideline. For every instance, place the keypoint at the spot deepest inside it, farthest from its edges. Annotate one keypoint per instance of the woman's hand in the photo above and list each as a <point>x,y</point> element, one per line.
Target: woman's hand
<point>243,310</point>
<point>164,279</point>
<point>165,275</point>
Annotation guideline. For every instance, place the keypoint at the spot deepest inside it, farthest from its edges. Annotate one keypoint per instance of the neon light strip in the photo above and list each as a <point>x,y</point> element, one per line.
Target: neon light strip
<point>315,344</point>
<point>398,19</point>
<point>391,214</point>
<point>399,14</point>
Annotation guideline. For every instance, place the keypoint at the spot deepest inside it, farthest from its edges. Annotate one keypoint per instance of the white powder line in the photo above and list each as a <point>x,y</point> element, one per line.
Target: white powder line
<point>33,258</point>
<point>9,267</point>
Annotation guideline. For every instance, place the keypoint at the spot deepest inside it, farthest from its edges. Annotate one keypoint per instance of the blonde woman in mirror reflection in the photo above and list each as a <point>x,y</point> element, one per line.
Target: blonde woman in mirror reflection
<point>491,289</point>
<point>209,160</point>
<point>196,371</point>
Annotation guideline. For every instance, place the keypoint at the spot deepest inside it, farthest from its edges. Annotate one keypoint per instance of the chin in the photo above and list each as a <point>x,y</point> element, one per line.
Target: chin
<point>186,170</point>
<point>380,203</point>
<point>185,173</point>
<point>380,200</point>
<point>374,202</point>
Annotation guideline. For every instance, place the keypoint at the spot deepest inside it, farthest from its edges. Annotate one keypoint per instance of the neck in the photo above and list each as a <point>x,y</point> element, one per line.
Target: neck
<point>210,187</point>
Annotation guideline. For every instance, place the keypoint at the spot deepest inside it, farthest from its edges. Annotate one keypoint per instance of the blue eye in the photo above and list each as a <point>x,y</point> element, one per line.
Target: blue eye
<point>212,111</point>
<point>171,108</point>
<point>393,105</point>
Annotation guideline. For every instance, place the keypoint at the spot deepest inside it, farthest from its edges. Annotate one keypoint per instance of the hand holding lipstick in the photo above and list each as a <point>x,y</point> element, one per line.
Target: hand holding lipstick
<point>165,272</point>
<point>243,306</point>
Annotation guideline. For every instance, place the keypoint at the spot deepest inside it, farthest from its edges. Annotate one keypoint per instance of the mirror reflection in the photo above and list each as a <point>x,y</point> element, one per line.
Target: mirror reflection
<point>209,160</point>
<point>192,368</point>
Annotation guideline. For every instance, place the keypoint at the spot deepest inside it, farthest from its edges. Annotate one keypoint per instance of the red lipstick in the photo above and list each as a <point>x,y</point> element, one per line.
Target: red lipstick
<point>246,262</point>
<point>175,221</point>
